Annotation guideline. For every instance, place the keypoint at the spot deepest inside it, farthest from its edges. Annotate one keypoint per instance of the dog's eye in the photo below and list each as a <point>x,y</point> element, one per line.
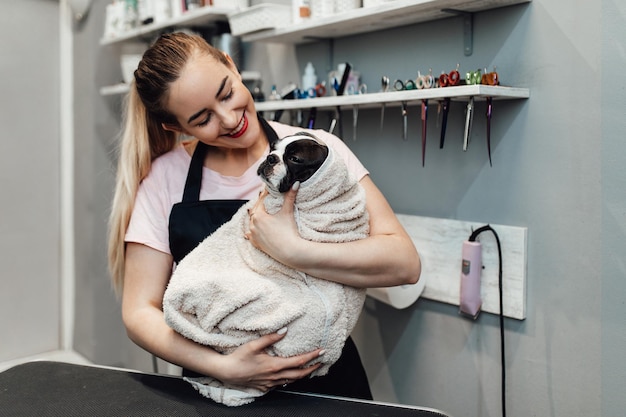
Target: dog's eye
<point>295,159</point>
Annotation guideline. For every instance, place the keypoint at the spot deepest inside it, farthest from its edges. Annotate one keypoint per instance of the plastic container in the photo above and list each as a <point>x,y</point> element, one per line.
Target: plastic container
<point>262,16</point>
<point>300,10</point>
<point>346,5</point>
<point>129,63</point>
<point>231,4</point>
<point>309,79</point>
<point>322,8</point>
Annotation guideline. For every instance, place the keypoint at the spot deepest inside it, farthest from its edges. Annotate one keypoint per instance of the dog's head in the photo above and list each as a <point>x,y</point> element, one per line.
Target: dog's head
<point>293,158</point>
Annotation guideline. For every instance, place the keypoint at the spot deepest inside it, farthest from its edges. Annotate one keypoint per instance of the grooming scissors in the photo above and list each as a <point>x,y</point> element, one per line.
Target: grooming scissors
<point>385,86</point>
<point>447,80</point>
<point>450,80</point>
<point>340,89</point>
<point>355,109</point>
<point>399,85</point>
<point>472,77</point>
<point>489,78</point>
<point>424,124</point>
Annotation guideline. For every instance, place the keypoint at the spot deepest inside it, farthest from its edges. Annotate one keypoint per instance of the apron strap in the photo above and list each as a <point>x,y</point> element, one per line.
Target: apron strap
<point>194,175</point>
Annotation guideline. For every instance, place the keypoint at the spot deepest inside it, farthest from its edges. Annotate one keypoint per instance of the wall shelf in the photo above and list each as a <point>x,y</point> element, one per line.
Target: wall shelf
<point>459,93</point>
<point>369,19</point>
<point>122,88</point>
<point>114,90</point>
<point>198,17</point>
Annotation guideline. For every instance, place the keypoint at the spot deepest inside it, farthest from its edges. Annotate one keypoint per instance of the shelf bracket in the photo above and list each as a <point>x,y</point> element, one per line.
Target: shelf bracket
<point>468,29</point>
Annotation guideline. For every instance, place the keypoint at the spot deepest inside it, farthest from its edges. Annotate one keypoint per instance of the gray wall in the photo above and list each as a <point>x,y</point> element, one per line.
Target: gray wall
<point>29,178</point>
<point>99,333</point>
<point>558,170</point>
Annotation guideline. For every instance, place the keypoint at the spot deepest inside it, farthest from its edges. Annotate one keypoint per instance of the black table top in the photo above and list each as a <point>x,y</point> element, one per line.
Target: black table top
<point>45,388</point>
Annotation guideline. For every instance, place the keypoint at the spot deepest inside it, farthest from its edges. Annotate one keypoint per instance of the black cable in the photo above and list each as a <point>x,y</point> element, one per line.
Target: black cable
<point>472,238</point>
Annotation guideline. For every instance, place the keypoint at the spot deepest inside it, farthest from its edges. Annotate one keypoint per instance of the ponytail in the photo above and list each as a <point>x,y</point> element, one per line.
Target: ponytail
<point>135,155</point>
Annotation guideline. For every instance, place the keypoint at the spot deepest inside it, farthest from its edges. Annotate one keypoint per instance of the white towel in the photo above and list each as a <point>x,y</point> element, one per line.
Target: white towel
<point>226,292</point>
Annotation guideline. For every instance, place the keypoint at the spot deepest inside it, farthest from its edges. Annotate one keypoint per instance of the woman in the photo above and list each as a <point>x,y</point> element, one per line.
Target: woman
<point>183,86</point>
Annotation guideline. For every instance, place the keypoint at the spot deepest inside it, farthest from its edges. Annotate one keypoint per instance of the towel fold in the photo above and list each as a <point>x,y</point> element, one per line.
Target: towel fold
<point>226,292</point>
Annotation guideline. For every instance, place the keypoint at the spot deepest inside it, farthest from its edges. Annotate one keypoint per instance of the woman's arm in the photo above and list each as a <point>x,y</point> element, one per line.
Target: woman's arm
<point>386,258</point>
<point>146,276</point>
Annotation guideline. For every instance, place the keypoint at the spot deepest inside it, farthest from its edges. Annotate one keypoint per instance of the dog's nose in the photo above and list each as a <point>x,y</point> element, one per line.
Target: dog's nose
<point>272,159</point>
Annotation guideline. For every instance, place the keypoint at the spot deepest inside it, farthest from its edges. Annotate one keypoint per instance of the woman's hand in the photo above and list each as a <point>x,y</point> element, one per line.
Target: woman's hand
<point>147,274</point>
<point>249,365</point>
<point>274,234</point>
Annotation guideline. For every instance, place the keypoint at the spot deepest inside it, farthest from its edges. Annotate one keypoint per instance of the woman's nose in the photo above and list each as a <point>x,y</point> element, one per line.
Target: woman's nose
<point>229,119</point>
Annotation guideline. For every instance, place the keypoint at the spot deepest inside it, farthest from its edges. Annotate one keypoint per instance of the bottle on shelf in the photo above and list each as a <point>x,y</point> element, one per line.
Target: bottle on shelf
<point>309,79</point>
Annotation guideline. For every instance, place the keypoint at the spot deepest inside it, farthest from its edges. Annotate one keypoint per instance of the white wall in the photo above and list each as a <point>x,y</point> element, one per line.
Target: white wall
<point>29,179</point>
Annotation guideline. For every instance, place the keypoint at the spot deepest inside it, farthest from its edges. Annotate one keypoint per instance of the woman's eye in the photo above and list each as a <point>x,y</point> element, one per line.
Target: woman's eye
<point>205,121</point>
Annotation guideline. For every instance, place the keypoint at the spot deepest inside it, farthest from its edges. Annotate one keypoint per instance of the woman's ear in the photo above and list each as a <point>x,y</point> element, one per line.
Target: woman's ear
<point>172,127</point>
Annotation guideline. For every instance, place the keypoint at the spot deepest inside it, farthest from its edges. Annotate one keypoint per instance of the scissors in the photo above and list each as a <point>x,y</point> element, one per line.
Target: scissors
<point>469,115</point>
<point>489,78</point>
<point>385,86</point>
<point>445,106</point>
<point>355,109</point>
<point>405,121</point>
<point>452,79</point>
<point>340,89</point>
<point>424,124</point>
<point>318,91</point>
<point>399,85</point>
<point>425,81</point>
<point>471,78</point>
<point>489,111</point>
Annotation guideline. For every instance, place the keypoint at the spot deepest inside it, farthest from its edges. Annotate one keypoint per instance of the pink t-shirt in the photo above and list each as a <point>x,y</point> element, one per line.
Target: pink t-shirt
<point>164,185</point>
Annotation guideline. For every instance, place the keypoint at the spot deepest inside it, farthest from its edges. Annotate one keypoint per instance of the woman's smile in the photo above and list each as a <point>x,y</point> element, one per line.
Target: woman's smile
<point>241,127</point>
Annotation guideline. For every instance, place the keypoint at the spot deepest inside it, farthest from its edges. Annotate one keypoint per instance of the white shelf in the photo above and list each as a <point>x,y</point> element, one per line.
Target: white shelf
<point>113,90</point>
<point>197,17</point>
<point>368,19</point>
<point>459,93</point>
<point>122,88</point>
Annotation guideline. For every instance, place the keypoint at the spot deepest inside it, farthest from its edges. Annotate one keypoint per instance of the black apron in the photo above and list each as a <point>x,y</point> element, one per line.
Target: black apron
<point>192,220</point>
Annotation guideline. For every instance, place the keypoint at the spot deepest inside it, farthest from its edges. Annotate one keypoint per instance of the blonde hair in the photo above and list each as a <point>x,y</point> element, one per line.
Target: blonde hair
<point>143,138</point>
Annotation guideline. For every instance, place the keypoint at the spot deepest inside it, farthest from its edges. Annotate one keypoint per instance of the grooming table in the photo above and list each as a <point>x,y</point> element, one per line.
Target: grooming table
<point>60,389</point>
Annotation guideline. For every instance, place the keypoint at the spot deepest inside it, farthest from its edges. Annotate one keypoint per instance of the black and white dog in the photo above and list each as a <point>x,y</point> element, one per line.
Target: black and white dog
<point>226,292</point>
<point>294,158</point>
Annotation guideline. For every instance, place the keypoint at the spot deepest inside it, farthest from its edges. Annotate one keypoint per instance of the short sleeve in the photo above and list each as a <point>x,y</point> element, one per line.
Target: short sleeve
<point>150,218</point>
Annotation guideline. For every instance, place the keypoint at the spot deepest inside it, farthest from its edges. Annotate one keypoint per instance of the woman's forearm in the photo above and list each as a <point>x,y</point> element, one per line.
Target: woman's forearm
<point>377,261</point>
<point>146,277</point>
<point>147,328</point>
<point>386,258</point>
